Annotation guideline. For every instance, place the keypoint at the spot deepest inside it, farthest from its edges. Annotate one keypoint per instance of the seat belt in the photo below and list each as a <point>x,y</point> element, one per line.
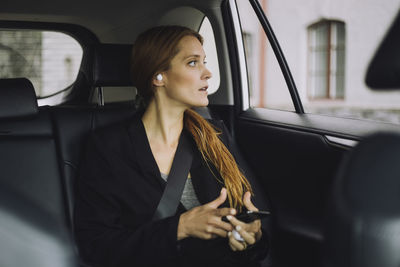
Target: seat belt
<point>176,179</point>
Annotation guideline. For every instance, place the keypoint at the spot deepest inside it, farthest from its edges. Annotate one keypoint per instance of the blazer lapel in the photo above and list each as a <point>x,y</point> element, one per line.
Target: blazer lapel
<point>206,186</point>
<point>142,152</point>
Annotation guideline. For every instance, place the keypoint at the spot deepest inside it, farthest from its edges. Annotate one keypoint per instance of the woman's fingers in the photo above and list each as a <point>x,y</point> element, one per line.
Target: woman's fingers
<point>217,229</point>
<point>219,232</point>
<point>229,241</point>
<point>234,244</point>
<point>247,202</point>
<point>253,227</point>
<point>248,237</point>
<point>215,226</point>
<point>223,225</point>
<point>219,200</point>
<point>235,222</point>
<point>221,212</point>
<point>217,219</point>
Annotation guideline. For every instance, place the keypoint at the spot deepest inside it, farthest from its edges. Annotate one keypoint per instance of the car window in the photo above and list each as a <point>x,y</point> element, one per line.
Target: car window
<point>50,60</point>
<point>267,86</point>
<point>211,53</point>
<point>112,94</point>
<point>328,46</point>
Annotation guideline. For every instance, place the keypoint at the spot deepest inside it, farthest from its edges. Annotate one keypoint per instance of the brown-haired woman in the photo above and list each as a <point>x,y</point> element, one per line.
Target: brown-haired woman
<point>127,165</point>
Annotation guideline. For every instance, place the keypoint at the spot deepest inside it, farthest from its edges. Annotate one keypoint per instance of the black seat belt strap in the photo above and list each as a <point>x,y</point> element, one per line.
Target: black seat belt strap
<point>176,179</point>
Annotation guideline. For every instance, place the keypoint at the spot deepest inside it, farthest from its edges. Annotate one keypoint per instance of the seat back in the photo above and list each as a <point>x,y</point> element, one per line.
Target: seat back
<point>72,124</point>
<point>363,220</point>
<point>28,155</point>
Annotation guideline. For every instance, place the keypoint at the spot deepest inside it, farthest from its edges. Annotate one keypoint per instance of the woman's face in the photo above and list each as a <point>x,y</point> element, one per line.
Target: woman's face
<point>186,81</point>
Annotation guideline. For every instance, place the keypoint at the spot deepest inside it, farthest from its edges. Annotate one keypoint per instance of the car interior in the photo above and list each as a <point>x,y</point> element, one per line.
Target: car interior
<point>320,174</point>
<point>362,218</point>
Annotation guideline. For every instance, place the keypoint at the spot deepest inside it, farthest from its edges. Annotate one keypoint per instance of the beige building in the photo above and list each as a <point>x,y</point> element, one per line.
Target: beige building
<point>328,45</point>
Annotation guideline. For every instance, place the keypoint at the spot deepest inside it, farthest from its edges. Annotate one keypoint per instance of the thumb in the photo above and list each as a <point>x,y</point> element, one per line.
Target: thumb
<point>247,202</point>
<point>219,200</point>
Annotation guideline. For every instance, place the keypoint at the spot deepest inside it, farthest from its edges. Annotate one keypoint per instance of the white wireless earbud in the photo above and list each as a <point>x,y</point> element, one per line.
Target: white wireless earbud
<point>159,77</point>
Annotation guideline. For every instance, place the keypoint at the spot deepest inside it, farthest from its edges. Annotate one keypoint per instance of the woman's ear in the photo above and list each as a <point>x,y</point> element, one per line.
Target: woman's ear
<point>158,80</point>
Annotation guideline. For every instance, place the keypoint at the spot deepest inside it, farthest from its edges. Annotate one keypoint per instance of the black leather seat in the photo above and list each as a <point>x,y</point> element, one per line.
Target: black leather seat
<point>111,65</point>
<point>363,222</point>
<point>31,236</point>
<point>40,148</point>
<point>73,124</point>
<point>28,155</point>
<point>33,228</point>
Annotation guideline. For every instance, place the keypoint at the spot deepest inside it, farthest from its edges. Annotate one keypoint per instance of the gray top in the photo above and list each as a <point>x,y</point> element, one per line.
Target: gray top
<point>189,198</point>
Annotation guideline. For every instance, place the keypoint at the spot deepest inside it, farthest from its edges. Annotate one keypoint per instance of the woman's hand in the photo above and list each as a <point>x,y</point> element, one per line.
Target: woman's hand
<point>250,232</point>
<point>205,221</point>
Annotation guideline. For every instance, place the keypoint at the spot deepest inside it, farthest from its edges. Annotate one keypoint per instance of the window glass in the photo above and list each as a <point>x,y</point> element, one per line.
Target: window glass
<point>328,45</point>
<point>211,55</point>
<point>50,60</point>
<point>267,86</point>
<point>326,60</point>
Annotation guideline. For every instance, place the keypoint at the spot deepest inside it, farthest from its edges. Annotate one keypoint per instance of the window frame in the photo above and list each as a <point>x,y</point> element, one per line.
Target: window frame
<point>349,128</point>
<point>245,102</point>
<point>82,35</point>
<point>241,66</point>
<point>312,57</point>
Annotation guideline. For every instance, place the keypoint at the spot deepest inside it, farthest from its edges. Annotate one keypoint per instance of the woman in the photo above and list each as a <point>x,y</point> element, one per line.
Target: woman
<point>126,167</point>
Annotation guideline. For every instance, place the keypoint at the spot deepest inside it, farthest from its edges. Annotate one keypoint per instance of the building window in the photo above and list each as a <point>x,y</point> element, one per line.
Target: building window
<point>326,57</point>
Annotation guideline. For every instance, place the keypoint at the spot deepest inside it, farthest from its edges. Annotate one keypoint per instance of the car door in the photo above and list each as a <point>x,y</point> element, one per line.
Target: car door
<point>295,154</point>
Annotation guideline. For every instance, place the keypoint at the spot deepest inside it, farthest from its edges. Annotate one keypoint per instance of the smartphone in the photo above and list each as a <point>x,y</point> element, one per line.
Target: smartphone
<point>249,216</point>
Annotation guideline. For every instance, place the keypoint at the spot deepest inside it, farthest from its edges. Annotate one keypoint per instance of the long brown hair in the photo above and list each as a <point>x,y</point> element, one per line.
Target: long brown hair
<point>152,53</point>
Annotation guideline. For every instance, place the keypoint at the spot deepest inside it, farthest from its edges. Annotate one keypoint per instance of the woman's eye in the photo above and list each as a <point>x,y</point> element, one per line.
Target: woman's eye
<point>192,63</point>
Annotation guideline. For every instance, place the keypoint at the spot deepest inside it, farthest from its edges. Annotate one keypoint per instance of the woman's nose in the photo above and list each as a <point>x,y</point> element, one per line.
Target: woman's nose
<point>207,74</point>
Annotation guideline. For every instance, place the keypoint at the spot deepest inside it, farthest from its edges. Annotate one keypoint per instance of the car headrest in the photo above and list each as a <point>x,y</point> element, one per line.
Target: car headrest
<point>363,219</point>
<point>111,65</point>
<point>17,98</point>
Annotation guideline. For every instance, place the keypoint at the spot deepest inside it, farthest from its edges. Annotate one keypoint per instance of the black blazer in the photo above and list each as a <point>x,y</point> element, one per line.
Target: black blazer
<point>117,193</point>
